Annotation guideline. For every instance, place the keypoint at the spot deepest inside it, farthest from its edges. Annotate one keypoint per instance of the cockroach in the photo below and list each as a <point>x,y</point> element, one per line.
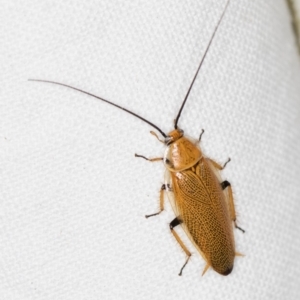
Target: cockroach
<point>202,202</point>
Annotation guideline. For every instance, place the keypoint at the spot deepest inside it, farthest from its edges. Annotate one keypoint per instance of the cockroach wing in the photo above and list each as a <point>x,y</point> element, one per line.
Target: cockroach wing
<point>200,203</point>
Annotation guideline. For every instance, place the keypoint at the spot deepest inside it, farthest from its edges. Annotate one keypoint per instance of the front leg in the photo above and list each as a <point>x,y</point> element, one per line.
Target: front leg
<point>149,159</point>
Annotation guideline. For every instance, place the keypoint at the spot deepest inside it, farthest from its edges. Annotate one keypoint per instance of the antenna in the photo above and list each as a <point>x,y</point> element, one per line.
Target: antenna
<point>134,114</point>
<point>104,100</point>
<point>201,62</point>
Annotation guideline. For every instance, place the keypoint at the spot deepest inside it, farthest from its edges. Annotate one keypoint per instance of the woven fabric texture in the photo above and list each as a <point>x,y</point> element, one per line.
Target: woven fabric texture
<point>72,195</point>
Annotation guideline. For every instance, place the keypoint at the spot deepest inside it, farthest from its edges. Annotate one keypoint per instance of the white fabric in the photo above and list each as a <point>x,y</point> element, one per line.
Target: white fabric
<point>73,196</point>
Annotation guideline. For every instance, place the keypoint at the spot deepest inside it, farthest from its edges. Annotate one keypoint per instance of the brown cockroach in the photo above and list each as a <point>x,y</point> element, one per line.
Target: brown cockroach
<point>202,202</point>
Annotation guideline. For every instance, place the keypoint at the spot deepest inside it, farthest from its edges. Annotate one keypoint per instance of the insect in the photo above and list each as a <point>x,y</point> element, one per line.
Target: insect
<point>202,202</point>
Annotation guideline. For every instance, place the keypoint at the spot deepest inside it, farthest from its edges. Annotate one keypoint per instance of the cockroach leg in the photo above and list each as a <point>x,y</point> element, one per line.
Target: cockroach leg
<point>218,166</point>
<point>229,159</point>
<point>226,184</point>
<point>200,136</point>
<point>161,200</point>
<point>173,224</point>
<point>155,134</point>
<point>149,159</point>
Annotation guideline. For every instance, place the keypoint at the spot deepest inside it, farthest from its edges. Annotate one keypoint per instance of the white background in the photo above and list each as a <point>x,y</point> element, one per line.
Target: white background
<point>73,196</point>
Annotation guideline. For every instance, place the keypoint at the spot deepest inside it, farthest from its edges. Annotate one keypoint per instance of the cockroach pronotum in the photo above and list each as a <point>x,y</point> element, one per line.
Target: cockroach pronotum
<point>202,202</point>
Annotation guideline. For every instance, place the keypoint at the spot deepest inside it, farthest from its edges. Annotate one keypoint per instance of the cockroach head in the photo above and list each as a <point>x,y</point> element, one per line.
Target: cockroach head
<point>173,136</point>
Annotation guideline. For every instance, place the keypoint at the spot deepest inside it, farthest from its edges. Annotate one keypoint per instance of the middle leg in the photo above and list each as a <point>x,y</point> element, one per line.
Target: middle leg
<point>173,224</point>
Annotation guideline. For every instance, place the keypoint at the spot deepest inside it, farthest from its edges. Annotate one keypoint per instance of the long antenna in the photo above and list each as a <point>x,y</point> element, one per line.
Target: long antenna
<point>201,62</point>
<point>99,98</point>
